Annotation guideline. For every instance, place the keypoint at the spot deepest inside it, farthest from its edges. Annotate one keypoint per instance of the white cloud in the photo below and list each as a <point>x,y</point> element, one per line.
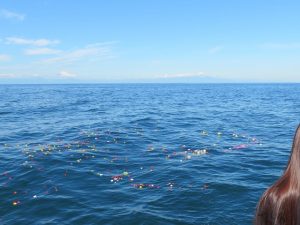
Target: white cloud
<point>33,42</point>
<point>97,51</point>
<point>295,45</point>
<point>66,74</point>
<point>42,51</point>
<point>179,75</point>
<point>11,15</point>
<point>4,58</point>
<point>215,49</point>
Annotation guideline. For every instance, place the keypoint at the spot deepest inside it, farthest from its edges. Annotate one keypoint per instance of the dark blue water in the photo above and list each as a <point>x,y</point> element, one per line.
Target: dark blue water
<point>129,154</point>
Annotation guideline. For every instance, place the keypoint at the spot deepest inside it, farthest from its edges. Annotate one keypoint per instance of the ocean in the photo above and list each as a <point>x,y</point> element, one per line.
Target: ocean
<point>142,153</point>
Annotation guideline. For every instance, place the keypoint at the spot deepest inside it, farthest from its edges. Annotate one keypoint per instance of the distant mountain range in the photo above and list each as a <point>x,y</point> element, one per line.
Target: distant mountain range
<point>41,80</point>
<point>187,79</point>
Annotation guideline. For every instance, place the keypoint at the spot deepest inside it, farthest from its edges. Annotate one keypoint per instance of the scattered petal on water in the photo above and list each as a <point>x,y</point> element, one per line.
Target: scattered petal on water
<point>16,202</point>
<point>204,133</point>
<point>241,146</point>
<point>200,152</point>
<point>83,150</point>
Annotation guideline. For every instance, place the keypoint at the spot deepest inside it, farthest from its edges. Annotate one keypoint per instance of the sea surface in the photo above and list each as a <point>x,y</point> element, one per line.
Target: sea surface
<point>142,153</point>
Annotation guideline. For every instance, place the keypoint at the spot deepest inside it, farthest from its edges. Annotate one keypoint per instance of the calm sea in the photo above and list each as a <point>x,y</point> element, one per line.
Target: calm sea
<point>142,153</point>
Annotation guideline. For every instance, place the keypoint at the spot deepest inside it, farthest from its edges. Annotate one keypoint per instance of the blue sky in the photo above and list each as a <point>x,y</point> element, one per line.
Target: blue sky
<point>111,41</point>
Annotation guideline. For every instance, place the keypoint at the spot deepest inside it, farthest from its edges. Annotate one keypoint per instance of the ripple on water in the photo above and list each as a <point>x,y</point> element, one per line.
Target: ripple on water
<point>125,154</point>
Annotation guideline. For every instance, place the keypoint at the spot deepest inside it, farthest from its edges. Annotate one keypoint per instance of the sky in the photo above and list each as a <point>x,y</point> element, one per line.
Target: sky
<point>140,40</point>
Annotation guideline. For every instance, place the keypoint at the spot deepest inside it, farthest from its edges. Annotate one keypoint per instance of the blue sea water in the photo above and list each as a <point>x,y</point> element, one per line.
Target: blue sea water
<point>128,153</point>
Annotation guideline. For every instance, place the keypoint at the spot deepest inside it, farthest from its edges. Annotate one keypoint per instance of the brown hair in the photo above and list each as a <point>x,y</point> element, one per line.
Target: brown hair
<point>280,204</point>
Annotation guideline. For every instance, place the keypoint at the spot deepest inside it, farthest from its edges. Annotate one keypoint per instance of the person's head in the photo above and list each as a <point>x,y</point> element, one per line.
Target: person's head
<point>280,204</point>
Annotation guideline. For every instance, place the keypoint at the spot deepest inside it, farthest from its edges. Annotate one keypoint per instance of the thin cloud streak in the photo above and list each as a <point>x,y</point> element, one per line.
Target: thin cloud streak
<point>4,13</point>
<point>98,51</point>
<point>215,49</point>
<point>7,75</point>
<point>33,42</point>
<point>66,74</point>
<point>42,51</point>
<point>182,75</point>
<point>4,58</point>
<point>295,45</point>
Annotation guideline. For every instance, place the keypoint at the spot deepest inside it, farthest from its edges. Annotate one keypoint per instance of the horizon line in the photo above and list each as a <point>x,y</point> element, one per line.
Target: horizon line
<point>125,83</point>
